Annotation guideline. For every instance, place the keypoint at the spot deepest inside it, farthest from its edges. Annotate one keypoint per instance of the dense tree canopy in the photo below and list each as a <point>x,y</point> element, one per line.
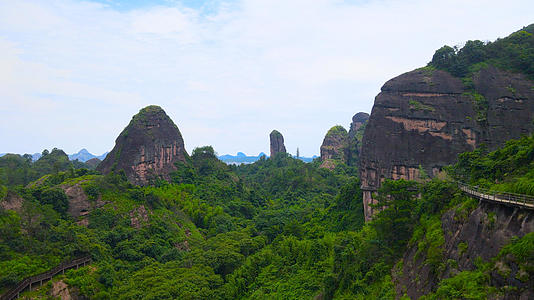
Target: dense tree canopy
<point>514,53</point>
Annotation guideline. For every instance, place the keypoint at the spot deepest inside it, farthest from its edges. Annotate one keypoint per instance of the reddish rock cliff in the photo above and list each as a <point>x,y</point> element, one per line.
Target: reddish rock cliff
<point>277,143</point>
<point>358,120</point>
<point>147,148</point>
<point>423,119</point>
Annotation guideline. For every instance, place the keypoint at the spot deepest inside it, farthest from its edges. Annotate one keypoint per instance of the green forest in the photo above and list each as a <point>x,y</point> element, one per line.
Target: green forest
<point>275,229</point>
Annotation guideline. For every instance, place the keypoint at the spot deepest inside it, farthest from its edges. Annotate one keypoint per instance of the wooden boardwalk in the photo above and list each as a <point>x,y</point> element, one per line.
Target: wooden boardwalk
<point>519,200</point>
<point>33,281</point>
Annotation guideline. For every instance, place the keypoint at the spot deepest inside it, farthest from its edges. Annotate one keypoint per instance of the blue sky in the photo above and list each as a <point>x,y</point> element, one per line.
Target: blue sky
<point>72,73</point>
<point>128,5</point>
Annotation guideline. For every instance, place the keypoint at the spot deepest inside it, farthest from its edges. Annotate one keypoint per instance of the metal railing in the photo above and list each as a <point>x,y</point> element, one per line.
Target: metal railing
<point>28,282</point>
<point>525,201</point>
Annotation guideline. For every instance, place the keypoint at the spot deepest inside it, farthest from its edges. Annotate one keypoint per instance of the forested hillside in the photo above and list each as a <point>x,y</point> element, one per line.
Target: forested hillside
<point>278,228</point>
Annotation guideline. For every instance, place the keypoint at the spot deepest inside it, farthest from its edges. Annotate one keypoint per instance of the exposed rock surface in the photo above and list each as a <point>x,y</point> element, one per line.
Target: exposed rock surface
<point>147,148</point>
<point>482,233</point>
<point>358,120</point>
<point>60,290</point>
<point>334,147</point>
<point>277,143</point>
<point>12,201</point>
<point>93,162</point>
<point>357,127</point>
<point>427,117</point>
<point>79,203</point>
<point>138,217</point>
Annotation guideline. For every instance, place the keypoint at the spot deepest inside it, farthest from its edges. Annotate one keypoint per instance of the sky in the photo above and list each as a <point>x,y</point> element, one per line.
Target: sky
<point>73,73</point>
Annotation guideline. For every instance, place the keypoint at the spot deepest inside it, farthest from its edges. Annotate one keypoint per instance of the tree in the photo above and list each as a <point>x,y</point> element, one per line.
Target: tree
<point>393,224</point>
<point>57,198</point>
<point>444,57</point>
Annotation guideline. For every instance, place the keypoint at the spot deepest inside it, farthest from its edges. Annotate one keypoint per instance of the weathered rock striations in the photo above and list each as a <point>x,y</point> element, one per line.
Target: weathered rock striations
<point>358,120</point>
<point>357,127</point>
<point>147,148</point>
<point>334,147</point>
<point>423,119</point>
<point>277,143</point>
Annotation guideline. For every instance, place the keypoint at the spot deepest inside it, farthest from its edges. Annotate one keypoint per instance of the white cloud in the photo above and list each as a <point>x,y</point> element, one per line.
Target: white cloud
<point>72,73</point>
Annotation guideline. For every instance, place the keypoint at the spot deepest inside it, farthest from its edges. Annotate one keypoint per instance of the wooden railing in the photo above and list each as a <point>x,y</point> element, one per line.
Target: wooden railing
<point>525,201</point>
<point>40,278</point>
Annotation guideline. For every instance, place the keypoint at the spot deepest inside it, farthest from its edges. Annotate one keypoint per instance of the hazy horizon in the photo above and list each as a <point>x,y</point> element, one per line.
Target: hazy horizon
<point>227,72</point>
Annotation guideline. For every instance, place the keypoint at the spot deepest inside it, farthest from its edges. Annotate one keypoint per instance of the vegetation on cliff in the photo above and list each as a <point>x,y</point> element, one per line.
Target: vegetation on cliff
<point>514,53</point>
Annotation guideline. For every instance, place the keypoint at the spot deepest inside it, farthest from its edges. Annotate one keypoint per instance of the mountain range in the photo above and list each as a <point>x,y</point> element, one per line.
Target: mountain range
<point>82,155</point>
<point>242,158</point>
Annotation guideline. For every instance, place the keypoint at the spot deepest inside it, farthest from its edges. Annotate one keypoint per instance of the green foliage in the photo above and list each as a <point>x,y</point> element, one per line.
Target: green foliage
<point>522,250</point>
<point>275,229</point>
<point>170,281</point>
<point>337,130</point>
<point>431,242</point>
<point>462,247</point>
<point>396,201</point>
<point>55,197</point>
<point>481,105</point>
<point>514,53</point>
<point>464,285</point>
<point>415,105</point>
<point>509,169</point>
<point>20,170</point>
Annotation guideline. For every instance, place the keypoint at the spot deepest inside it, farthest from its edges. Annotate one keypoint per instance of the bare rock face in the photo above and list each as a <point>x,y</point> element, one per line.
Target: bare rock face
<point>357,127</point>
<point>12,201</point>
<point>147,148</point>
<point>425,118</point>
<point>93,162</point>
<point>60,290</point>
<point>277,143</point>
<point>358,120</point>
<point>334,147</point>
<point>80,205</point>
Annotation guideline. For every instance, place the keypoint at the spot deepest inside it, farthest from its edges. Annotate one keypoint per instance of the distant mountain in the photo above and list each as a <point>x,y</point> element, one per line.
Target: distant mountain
<point>35,156</point>
<point>242,158</point>
<point>308,159</point>
<point>84,155</point>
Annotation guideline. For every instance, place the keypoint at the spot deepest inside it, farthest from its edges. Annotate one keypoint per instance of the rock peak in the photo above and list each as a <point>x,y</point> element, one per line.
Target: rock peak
<point>357,121</point>
<point>334,147</point>
<point>277,143</point>
<point>147,148</point>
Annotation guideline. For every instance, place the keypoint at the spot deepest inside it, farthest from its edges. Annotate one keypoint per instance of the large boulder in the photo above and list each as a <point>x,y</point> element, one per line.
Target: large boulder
<point>147,149</point>
<point>277,143</point>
